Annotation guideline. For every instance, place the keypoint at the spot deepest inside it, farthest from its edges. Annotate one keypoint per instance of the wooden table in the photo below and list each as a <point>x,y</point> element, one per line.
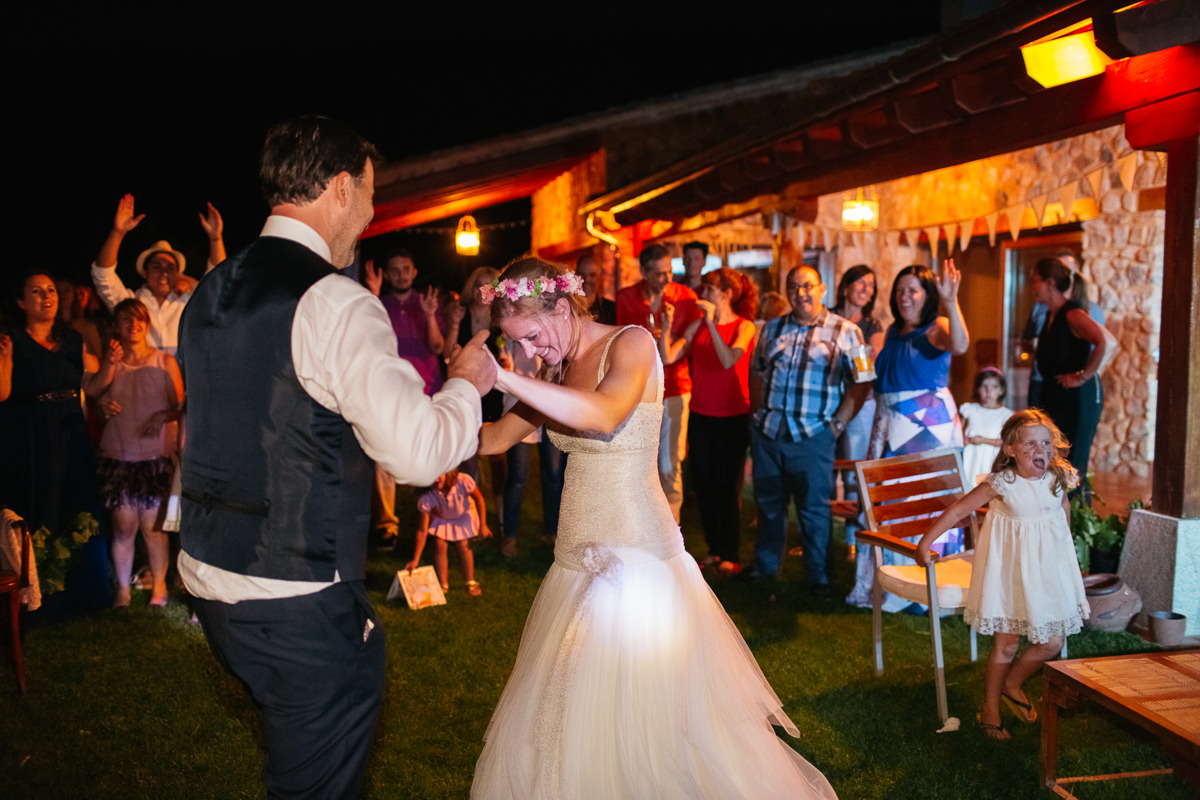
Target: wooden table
<point>1159,692</point>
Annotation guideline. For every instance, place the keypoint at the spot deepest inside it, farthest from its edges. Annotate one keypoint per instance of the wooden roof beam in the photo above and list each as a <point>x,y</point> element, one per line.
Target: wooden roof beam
<point>925,111</point>
<point>875,127</point>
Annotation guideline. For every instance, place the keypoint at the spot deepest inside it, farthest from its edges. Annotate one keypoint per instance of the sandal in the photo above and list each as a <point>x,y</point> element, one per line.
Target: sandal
<point>1022,711</point>
<point>474,589</point>
<point>997,732</point>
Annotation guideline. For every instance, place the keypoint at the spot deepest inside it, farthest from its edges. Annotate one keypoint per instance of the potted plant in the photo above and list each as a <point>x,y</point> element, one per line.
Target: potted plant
<point>55,555</point>
<point>1098,540</point>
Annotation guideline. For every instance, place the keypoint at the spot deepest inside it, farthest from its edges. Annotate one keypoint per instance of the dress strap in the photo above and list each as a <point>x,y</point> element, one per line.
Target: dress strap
<point>601,370</point>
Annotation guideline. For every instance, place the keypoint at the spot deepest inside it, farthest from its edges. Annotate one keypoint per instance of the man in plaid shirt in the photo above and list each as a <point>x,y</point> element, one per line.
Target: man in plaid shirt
<point>803,392</point>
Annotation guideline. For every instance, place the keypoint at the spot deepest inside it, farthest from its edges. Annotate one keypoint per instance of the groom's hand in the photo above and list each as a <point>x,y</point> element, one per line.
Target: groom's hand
<point>474,363</point>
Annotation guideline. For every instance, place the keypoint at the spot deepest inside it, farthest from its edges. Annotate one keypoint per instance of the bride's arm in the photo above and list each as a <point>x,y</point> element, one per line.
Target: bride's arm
<point>631,360</point>
<point>512,427</point>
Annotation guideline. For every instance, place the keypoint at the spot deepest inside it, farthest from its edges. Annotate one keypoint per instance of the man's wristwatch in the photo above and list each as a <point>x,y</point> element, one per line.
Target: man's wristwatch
<point>837,425</point>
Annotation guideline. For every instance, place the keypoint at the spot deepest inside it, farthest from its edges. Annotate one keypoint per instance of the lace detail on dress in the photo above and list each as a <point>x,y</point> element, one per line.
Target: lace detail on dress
<point>1040,633</point>
<point>1000,481</point>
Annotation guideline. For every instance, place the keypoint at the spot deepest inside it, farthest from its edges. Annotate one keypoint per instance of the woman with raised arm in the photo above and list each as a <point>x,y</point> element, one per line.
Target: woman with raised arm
<point>630,680</point>
<point>915,410</point>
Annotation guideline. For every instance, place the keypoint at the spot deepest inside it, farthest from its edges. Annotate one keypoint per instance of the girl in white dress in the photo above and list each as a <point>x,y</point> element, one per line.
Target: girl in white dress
<point>982,421</point>
<point>630,680</point>
<point>1026,580</point>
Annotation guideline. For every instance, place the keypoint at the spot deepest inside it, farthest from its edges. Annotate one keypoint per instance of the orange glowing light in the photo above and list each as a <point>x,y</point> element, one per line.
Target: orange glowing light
<point>860,214</point>
<point>1063,59</point>
<point>466,238</point>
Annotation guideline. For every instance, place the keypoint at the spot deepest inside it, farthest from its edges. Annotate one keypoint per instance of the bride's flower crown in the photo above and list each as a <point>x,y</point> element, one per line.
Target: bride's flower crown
<point>512,290</point>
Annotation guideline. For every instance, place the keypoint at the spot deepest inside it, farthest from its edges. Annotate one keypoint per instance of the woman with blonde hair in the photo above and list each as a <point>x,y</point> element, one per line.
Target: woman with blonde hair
<point>630,681</point>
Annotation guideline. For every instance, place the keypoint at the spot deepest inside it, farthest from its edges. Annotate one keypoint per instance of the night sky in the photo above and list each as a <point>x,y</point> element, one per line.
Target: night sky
<point>173,108</point>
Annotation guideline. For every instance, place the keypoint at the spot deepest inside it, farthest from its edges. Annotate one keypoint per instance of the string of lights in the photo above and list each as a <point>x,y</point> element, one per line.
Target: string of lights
<point>451,230</point>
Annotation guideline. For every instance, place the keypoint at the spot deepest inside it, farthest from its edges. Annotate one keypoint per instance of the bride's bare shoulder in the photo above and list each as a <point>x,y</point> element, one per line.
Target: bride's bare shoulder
<point>633,343</point>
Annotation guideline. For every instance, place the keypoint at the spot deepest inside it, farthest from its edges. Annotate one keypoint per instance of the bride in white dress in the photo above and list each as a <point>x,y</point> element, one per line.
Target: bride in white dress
<point>630,681</point>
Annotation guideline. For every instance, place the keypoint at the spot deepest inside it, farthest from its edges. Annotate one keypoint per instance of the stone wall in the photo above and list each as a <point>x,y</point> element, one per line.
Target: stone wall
<point>554,214</point>
<point>1123,249</point>
<point>1099,178</point>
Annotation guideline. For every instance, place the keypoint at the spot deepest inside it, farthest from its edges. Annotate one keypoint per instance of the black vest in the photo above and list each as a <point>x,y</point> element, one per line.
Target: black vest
<point>274,484</point>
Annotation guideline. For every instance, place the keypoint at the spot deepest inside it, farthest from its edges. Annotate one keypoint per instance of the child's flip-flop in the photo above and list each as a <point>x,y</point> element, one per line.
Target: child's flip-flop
<point>997,732</point>
<point>1023,711</point>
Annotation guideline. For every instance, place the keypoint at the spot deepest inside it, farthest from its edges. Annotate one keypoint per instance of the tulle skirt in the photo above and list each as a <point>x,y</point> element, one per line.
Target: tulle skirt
<point>632,682</point>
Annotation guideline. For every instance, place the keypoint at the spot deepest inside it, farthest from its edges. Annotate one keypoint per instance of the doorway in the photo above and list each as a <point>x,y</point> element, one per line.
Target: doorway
<point>1018,258</point>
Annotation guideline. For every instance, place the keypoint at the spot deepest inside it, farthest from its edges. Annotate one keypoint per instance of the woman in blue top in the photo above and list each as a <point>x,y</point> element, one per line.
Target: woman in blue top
<point>914,409</point>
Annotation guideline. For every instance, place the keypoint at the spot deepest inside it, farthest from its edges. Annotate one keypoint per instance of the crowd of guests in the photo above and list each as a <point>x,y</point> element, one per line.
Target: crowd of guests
<point>776,381</point>
<point>90,404</point>
<point>92,397</point>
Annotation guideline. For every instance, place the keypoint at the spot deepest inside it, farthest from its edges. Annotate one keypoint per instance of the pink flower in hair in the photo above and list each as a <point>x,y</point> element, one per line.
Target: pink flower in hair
<point>570,283</point>
<point>487,293</point>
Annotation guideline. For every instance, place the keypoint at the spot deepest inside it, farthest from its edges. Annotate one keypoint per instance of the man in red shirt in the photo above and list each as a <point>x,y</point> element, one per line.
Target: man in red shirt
<point>645,303</point>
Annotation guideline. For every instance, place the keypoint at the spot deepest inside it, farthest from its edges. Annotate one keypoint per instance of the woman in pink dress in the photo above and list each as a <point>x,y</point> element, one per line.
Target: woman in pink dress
<point>139,447</point>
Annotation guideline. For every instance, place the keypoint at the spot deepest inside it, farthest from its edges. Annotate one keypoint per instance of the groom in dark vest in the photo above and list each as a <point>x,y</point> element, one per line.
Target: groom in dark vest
<point>294,388</point>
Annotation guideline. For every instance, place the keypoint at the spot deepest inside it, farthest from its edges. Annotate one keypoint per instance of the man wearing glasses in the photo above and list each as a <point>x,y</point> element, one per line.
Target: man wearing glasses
<point>803,394</point>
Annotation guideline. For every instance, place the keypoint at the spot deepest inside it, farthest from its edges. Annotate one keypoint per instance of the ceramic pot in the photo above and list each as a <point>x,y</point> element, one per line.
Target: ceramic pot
<point>1112,601</point>
<point>1167,627</point>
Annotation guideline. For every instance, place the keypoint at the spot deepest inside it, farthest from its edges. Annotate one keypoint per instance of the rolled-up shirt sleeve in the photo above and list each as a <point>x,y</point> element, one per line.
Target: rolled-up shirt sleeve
<point>109,285</point>
<point>344,352</point>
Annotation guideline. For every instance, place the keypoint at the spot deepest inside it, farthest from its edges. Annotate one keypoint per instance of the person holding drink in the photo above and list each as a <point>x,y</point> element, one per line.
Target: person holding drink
<point>804,392</point>
<point>719,346</point>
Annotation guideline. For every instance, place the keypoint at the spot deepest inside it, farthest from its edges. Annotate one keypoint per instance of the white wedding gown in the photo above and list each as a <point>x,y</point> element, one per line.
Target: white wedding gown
<point>631,681</point>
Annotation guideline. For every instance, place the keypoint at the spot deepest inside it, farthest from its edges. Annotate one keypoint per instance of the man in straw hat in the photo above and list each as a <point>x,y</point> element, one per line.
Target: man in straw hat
<point>166,290</point>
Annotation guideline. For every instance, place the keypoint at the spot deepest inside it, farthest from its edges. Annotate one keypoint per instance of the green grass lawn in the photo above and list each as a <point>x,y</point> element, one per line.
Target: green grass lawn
<point>132,705</point>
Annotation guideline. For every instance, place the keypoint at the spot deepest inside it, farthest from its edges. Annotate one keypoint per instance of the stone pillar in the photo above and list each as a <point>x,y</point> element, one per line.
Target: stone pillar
<point>1161,561</point>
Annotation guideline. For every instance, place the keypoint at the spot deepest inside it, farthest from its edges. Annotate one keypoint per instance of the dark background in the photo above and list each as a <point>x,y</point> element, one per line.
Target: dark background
<point>170,103</point>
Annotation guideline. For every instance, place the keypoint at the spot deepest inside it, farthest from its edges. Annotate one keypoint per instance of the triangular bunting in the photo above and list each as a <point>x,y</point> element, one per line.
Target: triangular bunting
<point>1014,215</point>
<point>828,239</point>
<point>911,238</point>
<point>801,236</point>
<point>991,220</point>
<point>1093,180</point>
<point>1038,204</point>
<point>933,233</point>
<point>1127,168</point>
<point>964,234</point>
<point>893,245</point>
<point>1066,197</point>
<point>860,245</point>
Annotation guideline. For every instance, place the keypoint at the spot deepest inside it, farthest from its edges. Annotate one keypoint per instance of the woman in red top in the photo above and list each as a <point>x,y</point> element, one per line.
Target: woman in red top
<point>718,346</point>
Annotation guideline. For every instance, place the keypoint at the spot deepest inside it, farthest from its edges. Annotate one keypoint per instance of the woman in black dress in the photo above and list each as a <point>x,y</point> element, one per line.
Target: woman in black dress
<point>1071,350</point>
<point>47,472</point>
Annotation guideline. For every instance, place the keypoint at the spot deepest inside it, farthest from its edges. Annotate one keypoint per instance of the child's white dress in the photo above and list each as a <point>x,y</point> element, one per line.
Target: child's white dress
<point>986,422</point>
<point>1026,579</point>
